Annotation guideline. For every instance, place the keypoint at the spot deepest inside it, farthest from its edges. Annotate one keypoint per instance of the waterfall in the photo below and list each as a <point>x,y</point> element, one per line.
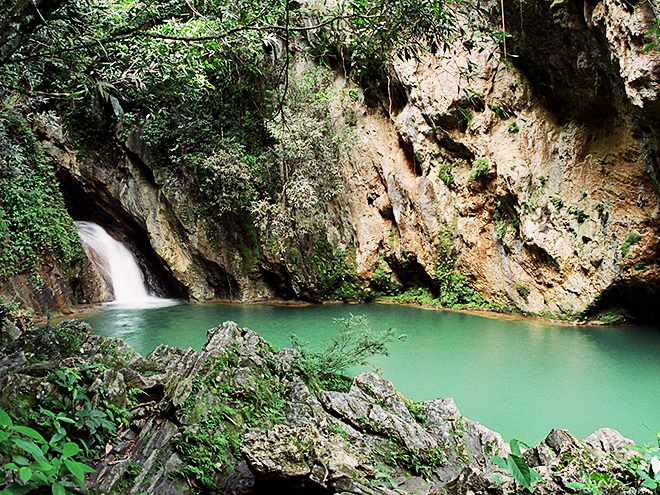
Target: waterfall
<point>116,265</point>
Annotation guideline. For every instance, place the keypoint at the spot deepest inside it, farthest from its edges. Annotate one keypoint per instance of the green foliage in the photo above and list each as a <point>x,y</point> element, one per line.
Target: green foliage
<point>580,215</point>
<point>557,202</point>
<point>418,462</point>
<point>631,238</point>
<point>235,405</point>
<point>308,152</point>
<point>11,311</point>
<point>354,345</point>
<point>33,220</point>
<point>501,229</point>
<point>74,412</point>
<point>445,175</point>
<point>452,286</point>
<point>515,464</point>
<point>416,410</point>
<point>416,295</point>
<point>208,446</point>
<point>513,127</point>
<point>595,484</point>
<point>480,168</point>
<point>646,466</point>
<point>502,110</point>
<point>39,463</point>
<point>523,290</point>
<point>543,179</point>
<point>654,35</point>
<point>374,29</point>
<point>381,281</point>
<point>531,204</point>
<point>337,274</point>
<point>640,266</point>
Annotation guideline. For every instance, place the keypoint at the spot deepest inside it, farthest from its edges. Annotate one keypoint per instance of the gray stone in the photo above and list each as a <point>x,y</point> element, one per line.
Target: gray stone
<point>611,442</point>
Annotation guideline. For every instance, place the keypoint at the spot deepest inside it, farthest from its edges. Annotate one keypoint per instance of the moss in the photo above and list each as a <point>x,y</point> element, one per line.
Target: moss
<point>226,400</point>
<point>631,238</point>
<point>34,223</point>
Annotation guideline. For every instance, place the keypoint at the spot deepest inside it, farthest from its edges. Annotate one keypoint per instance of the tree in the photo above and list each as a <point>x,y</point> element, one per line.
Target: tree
<point>19,19</point>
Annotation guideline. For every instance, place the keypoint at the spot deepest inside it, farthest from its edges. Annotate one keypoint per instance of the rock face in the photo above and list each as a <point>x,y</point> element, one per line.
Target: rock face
<point>569,135</point>
<point>237,418</point>
<point>561,217</point>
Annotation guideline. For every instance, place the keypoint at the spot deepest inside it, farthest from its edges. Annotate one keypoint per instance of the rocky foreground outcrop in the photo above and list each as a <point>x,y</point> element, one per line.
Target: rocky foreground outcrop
<point>237,417</point>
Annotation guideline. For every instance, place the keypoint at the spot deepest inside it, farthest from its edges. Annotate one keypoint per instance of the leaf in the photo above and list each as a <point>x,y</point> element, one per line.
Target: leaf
<point>521,471</point>
<point>5,420</point>
<point>576,486</point>
<point>69,450</point>
<point>25,473</point>
<point>78,470</point>
<point>648,47</point>
<point>16,489</point>
<point>43,465</point>
<point>55,439</point>
<point>498,461</point>
<point>31,448</point>
<point>515,447</point>
<point>29,432</point>
<point>58,489</point>
<point>655,465</point>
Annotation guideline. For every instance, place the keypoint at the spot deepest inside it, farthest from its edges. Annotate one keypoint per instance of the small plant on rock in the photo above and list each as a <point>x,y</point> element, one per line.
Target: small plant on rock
<point>480,168</point>
<point>445,175</point>
<point>523,290</point>
<point>354,345</point>
<point>632,238</point>
<point>516,465</point>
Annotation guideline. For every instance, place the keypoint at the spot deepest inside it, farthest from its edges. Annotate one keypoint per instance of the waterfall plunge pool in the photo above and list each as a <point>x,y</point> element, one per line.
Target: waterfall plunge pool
<point>519,377</point>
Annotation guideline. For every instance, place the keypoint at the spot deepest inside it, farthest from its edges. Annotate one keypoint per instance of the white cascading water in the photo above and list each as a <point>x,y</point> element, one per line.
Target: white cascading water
<point>116,264</point>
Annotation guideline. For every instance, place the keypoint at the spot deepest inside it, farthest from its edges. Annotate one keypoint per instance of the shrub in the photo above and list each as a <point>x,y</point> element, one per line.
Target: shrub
<point>354,345</point>
<point>480,168</point>
<point>632,238</point>
<point>523,290</point>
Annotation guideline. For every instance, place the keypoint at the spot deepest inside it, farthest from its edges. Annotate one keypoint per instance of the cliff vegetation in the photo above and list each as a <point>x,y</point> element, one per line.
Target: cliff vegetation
<point>452,154</point>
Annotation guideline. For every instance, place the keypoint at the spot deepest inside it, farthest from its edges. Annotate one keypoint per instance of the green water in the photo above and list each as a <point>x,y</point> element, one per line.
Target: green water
<point>518,377</point>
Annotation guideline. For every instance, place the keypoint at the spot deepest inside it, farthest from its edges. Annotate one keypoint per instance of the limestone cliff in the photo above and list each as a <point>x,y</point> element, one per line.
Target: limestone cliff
<point>542,172</point>
<point>568,207</point>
